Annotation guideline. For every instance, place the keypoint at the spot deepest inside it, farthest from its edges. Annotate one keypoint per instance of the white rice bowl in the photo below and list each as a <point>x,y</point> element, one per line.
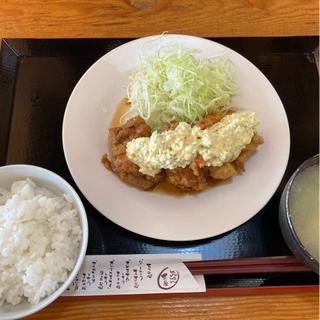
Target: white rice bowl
<point>43,238</point>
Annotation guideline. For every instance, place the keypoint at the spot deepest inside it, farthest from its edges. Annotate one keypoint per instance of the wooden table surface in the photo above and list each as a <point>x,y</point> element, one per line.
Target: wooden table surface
<point>136,18</point>
<point>296,306</point>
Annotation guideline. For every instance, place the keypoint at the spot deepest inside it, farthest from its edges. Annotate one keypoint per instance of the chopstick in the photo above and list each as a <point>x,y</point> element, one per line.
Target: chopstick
<point>246,265</point>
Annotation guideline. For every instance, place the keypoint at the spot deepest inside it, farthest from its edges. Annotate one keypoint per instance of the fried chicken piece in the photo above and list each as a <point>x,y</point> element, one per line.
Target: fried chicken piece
<point>247,152</point>
<point>228,170</point>
<point>191,178</point>
<point>119,163</point>
<point>119,136</point>
<point>195,177</point>
<point>213,118</point>
<point>205,122</point>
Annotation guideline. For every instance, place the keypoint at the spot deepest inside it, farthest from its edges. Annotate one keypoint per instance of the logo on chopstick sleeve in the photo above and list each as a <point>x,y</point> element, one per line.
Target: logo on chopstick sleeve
<point>168,278</point>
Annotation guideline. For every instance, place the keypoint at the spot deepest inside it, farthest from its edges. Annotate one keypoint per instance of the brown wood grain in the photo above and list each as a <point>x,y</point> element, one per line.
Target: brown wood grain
<point>136,18</point>
<point>297,306</point>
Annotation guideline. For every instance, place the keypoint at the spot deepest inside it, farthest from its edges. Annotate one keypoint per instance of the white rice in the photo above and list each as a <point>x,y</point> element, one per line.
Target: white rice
<point>40,235</point>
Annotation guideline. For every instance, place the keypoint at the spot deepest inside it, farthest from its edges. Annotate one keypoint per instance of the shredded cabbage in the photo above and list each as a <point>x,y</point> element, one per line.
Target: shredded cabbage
<point>176,84</point>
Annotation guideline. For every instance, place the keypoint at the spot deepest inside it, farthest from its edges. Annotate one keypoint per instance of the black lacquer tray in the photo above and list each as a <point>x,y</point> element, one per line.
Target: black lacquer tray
<point>36,79</point>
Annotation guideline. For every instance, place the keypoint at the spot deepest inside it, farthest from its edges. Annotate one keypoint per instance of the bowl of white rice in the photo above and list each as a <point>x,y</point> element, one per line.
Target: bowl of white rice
<point>43,238</point>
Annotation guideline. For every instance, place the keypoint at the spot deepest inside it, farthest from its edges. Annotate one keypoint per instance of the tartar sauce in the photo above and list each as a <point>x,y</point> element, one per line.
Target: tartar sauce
<point>218,144</point>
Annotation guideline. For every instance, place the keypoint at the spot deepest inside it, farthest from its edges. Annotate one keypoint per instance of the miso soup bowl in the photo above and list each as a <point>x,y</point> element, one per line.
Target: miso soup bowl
<point>285,219</point>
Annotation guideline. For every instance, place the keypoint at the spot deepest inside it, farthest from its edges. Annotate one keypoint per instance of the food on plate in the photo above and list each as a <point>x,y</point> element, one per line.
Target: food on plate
<point>177,84</point>
<point>178,148</point>
<point>178,127</point>
<point>119,163</point>
<point>187,157</point>
<point>40,236</point>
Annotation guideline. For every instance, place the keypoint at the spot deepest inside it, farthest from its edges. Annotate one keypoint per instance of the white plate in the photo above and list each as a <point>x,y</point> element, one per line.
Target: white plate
<point>210,213</point>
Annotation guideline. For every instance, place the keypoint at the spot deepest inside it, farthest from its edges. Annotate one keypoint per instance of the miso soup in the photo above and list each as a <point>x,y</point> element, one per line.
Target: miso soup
<point>304,209</point>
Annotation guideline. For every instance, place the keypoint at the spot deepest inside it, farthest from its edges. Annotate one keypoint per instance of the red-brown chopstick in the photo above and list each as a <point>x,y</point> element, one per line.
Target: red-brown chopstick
<point>247,265</point>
